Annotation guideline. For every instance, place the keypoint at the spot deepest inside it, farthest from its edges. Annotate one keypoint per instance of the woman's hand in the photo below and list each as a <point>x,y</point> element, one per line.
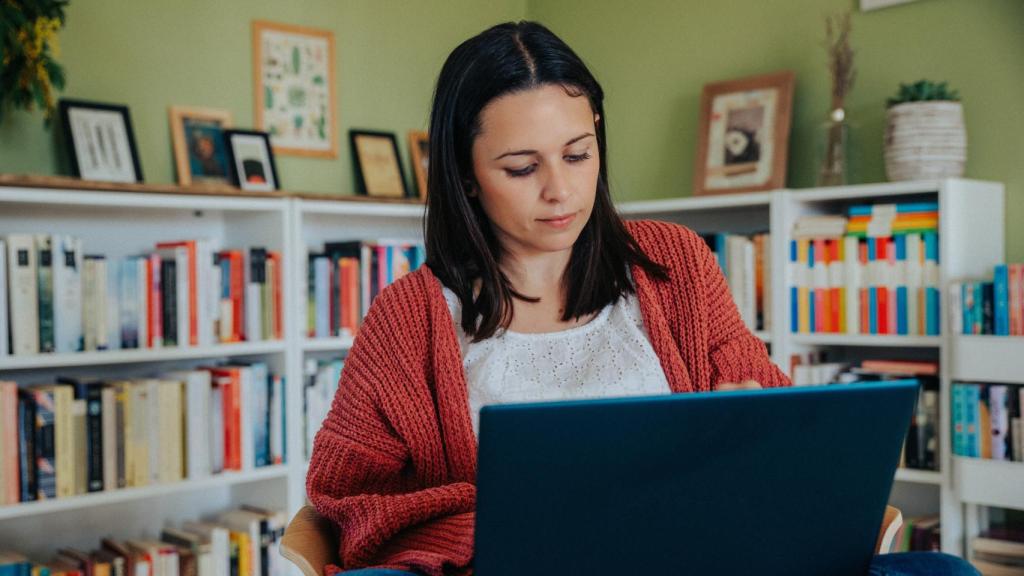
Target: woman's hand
<point>745,385</point>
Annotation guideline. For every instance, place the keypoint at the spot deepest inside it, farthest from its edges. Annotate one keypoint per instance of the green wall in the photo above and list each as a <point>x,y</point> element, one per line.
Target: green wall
<point>155,53</point>
<point>654,56</point>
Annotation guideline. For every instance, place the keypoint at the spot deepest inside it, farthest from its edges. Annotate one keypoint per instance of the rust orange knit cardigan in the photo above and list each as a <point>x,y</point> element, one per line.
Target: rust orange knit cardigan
<point>394,463</point>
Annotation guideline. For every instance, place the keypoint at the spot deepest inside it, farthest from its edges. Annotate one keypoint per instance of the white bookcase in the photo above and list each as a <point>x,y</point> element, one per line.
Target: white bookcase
<point>123,223</point>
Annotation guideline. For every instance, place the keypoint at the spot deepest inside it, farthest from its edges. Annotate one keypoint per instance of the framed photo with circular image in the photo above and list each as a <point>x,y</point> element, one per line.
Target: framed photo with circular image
<point>744,134</point>
<point>200,151</point>
<point>251,160</point>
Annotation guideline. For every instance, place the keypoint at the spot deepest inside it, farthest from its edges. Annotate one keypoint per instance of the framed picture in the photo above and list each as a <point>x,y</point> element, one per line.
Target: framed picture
<point>419,152</point>
<point>251,160</point>
<point>744,134</point>
<point>378,171</point>
<point>200,152</point>
<point>100,141</point>
<point>293,72</point>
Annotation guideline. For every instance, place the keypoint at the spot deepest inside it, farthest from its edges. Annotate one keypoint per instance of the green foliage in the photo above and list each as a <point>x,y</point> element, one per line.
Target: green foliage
<point>29,72</point>
<point>923,91</point>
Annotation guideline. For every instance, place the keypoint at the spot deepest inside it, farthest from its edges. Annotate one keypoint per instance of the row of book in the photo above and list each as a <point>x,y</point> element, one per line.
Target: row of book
<point>74,437</point>
<point>241,542</point>
<point>321,384</point>
<point>920,534</point>
<point>874,272</point>
<point>999,551</point>
<point>54,297</point>
<point>345,277</point>
<point>987,421</point>
<point>921,447</point>
<point>994,307</point>
<point>746,265</point>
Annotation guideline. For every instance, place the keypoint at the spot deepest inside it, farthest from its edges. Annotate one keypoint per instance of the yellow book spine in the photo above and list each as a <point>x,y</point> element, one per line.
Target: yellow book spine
<point>65,441</point>
<point>803,299</point>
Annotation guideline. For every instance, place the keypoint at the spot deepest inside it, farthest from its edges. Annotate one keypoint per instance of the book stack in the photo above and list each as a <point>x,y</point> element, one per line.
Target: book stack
<point>923,534</point>
<point>746,264</point>
<point>345,277</point>
<point>994,307</point>
<point>321,384</point>
<point>241,542</point>
<point>57,298</point>
<point>75,436</point>
<point>878,276</point>
<point>921,447</point>
<point>999,553</point>
<point>987,421</point>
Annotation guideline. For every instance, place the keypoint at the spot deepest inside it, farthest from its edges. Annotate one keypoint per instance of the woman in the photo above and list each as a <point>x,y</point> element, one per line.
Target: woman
<point>533,289</point>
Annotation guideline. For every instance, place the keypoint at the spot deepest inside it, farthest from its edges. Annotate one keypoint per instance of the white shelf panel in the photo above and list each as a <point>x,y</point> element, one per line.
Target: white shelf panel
<point>866,340</point>
<point>989,482</point>
<point>988,359</point>
<point>381,209</point>
<point>43,361</point>
<point>339,344</point>
<point>723,201</point>
<point>913,476</point>
<point>864,191</point>
<point>120,200</point>
<point>127,494</point>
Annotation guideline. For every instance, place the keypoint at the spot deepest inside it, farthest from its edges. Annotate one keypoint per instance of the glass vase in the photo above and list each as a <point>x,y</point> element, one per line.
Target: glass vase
<point>833,148</point>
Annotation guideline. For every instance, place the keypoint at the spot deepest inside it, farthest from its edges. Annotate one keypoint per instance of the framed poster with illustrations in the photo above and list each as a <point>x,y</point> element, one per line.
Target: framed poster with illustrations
<point>252,160</point>
<point>376,161</point>
<point>200,152</point>
<point>293,72</point>
<point>100,141</point>
<point>419,153</point>
<point>744,134</point>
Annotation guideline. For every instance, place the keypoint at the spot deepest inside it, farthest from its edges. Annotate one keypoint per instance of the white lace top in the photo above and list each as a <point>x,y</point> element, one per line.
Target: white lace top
<point>606,357</point>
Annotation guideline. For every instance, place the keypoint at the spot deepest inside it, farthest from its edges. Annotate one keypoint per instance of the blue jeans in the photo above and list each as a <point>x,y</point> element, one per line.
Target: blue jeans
<point>902,564</point>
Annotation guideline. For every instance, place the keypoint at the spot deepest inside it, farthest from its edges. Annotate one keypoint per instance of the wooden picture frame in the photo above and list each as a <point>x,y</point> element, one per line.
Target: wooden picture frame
<point>377,166</point>
<point>419,154</point>
<point>200,150</point>
<point>100,141</point>
<point>294,87</point>
<point>744,134</point>
<point>252,160</point>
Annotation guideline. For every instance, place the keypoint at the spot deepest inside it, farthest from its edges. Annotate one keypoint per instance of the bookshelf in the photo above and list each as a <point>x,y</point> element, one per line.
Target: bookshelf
<point>125,221</point>
<point>980,483</point>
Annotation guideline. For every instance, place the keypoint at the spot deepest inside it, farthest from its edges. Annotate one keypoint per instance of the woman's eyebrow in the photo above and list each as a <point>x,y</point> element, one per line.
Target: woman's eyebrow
<point>529,152</point>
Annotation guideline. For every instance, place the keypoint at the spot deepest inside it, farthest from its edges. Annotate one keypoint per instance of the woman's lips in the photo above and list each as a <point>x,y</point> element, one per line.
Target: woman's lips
<point>559,221</point>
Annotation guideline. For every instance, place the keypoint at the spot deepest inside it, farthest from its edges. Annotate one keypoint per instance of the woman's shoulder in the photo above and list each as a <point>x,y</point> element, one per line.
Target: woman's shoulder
<point>663,241</point>
<point>406,301</point>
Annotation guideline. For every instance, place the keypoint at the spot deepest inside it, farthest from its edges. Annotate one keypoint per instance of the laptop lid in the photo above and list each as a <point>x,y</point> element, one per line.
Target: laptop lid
<point>784,481</point>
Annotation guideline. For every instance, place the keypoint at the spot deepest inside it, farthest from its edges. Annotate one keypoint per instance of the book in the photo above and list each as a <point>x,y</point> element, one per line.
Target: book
<point>23,292</point>
<point>67,293</point>
<point>44,284</point>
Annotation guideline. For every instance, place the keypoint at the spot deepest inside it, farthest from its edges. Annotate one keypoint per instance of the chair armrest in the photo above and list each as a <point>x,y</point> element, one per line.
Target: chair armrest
<point>891,531</point>
<point>310,542</point>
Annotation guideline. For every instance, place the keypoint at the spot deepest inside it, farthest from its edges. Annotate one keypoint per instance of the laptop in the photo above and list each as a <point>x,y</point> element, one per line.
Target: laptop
<point>788,481</point>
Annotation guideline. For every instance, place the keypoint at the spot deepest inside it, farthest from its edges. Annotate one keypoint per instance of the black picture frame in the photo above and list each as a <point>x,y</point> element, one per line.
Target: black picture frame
<point>103,161</point>
<point>254,167</point>
<point>363,186</point>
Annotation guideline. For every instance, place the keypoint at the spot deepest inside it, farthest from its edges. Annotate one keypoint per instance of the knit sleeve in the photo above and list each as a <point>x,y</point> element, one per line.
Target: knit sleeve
<point>360,474</point>
<point>735,353</point>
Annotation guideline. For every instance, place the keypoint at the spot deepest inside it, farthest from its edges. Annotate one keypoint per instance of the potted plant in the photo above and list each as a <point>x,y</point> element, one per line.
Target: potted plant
<point>29,72</point>
<point>925,136</point>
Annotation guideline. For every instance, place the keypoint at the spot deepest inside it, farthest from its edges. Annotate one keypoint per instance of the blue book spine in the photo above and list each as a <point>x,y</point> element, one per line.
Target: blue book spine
<point>810,288</point>
<point>933,314</point>
<point>972,416</point>
<point>979,308</point>
<point>901,287</point>
<point>390,265</point>
<point>956,417</point>
<point>794,299</point>
<point>1002,300</point>
<point>904,208</point>
<point>722,252</point>
<point>966,301</point>
<point>872,290</point>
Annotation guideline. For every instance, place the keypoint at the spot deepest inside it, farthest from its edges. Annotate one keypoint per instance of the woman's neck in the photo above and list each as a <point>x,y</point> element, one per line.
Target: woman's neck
<point>537,275</point>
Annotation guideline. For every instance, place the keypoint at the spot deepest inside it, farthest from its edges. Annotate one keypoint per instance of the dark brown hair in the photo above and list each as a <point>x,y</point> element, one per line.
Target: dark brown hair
<point>461,244</point>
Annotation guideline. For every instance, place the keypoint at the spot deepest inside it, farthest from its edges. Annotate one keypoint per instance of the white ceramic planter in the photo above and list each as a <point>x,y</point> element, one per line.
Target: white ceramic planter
<point>925,141</point>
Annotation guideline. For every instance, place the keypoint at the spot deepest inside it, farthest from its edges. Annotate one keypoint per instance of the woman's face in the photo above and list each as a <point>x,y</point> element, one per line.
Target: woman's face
<point>536,164</point>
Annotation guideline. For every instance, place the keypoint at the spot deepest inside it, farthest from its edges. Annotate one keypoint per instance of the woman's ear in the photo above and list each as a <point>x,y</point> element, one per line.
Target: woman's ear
<point>597,119</point>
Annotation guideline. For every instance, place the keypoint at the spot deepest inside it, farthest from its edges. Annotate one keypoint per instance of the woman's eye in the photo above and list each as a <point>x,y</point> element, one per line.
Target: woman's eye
<point>578,157</point>
<point>516,173</point>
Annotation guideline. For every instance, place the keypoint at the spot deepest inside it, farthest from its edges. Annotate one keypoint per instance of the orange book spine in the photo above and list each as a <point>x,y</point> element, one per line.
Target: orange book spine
<point>228,379</point>
<point>275,287</point>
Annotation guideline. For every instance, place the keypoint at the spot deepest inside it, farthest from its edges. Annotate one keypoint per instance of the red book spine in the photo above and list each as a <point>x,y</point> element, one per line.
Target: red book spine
<point>156,321</point>
<point>882,303</point>
<point>230,386</point>
<point>821,311</point>
<point>237,264</point>
<point>275,288</point>
<point>837,299</point>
